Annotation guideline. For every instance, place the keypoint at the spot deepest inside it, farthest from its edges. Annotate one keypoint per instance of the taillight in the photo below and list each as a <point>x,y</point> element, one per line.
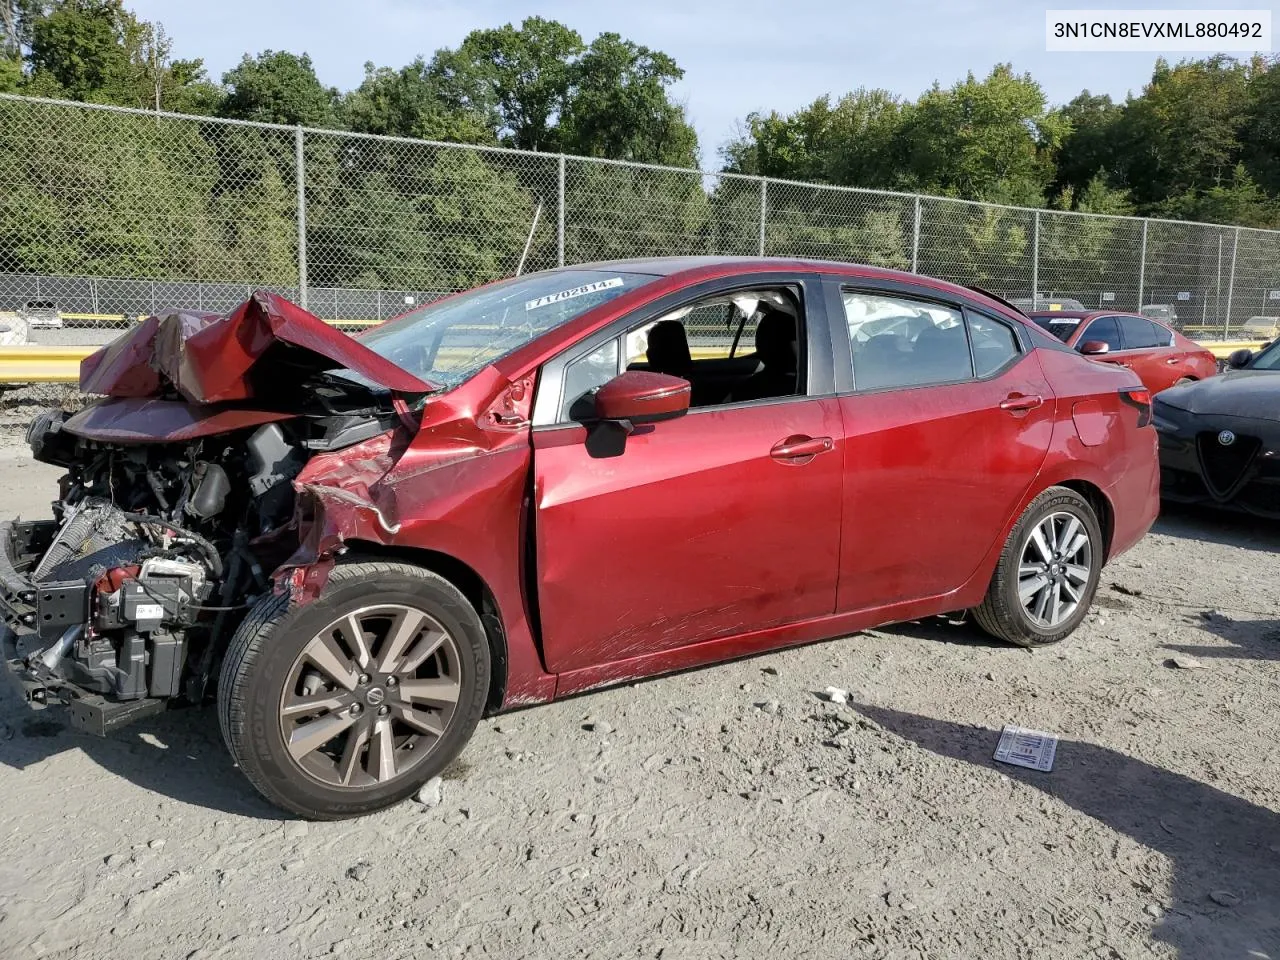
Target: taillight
<point>1140,398</point>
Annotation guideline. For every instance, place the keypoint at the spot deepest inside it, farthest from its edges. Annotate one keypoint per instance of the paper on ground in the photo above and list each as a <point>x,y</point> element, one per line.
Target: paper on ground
<point>1027,748</point>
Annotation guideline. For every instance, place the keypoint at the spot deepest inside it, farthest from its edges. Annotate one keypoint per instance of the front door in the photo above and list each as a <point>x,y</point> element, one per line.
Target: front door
<point>722,522</point>
<point>944,433</point>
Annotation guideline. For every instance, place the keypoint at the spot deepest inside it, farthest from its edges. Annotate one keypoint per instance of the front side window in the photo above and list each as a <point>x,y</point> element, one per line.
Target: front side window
<point>899,342</point>
<point>582,377</point>
<point>1105,330</point>
<point>733,347</point>
<point>451,340</point>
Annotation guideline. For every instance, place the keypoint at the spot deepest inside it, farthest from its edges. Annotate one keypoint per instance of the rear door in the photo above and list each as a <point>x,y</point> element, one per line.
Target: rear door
<point>1150,355</point>
<point>713,524</point>
<point>943,437</point>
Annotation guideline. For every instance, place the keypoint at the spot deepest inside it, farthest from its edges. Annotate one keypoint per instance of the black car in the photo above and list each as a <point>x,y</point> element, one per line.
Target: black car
<point>1220,437</point>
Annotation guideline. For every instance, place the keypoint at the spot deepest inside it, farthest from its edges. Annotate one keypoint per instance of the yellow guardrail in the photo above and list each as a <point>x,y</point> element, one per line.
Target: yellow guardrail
<point>1224,348</point>
<point>39,364</point>
<point>34,363</point>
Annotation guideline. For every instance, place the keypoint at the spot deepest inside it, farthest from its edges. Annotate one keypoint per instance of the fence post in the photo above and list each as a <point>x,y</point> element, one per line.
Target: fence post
<point>1035,262</point>
<point>915,240</point>
<point>301,174</point>
<point>1231,283</point>
<point>764,203</point>
<point>560,218</point>
<point>1142,265</point>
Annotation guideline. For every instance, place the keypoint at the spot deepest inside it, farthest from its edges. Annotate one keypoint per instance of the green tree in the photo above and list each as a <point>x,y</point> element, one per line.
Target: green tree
<point>787,147</point>
<point>851,143</point>
<point>613,211</point>
<point>977,244</point>
<point>278,87</point>
<point>416,219</point>
<point>1260,133</point>
<point>98,51</point>
<point>1092,145</point>
<point>1182,136</point>
<point>82,48</point>
<point>522,75</point>
<point>1238,200</point>
<point>14,37</point>
<point>992,139</point>
<point>618,106</point>
<point>410,102</point>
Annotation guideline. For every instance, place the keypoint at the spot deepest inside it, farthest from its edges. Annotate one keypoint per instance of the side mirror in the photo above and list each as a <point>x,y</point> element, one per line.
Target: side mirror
<point>1092,348</point>
<point>641,396</point>
<point>1239,358</point>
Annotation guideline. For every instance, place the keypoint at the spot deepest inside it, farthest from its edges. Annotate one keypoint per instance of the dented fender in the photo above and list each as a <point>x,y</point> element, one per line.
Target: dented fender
<point>458,486</point>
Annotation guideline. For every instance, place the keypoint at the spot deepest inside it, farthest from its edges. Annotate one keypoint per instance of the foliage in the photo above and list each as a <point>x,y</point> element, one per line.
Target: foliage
<point>88,192</point>
<point>278,87</point>
<point>618,106</point>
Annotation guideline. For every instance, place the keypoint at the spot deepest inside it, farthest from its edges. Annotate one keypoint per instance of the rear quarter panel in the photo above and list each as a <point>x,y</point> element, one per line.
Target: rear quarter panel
<point>1097,440</point>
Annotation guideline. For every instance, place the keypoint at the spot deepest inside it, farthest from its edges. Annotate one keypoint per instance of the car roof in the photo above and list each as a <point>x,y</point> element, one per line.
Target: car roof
<point>1085,314</point>
<point>720,265</point>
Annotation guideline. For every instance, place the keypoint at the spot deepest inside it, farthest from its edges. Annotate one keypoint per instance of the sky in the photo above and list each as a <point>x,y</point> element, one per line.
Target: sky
<point>737,56</point>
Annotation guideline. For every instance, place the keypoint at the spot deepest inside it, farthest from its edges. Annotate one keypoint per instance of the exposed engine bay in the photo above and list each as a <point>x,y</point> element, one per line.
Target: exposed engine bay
<point>156,550</point>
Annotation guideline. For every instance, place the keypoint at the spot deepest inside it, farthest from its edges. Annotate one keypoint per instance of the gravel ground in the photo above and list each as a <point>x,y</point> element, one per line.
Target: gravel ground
<point>729,811</point>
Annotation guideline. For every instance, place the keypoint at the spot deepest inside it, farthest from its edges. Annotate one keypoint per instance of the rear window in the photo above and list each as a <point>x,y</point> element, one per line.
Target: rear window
<point>1060,327</point>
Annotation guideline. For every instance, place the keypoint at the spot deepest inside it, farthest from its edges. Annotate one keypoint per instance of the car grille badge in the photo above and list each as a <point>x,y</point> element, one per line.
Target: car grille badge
<point>1225,460</point>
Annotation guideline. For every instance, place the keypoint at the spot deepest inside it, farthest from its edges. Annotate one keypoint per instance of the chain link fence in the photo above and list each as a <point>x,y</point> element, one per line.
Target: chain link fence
<point>109,214</point>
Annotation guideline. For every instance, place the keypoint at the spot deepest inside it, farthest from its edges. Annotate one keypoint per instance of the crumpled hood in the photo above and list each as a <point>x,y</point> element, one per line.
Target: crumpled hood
<point>1236,393</point>
<point>265,347</point>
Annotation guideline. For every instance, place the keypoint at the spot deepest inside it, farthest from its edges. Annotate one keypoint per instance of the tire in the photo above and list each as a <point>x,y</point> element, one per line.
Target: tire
<point>1003,613</point>
<point>293,674</point>
<point>1181,380</point>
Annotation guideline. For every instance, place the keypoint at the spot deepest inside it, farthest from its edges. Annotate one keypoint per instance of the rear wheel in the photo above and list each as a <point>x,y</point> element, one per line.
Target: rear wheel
<point>348,704</point>
<point>1047,574</point>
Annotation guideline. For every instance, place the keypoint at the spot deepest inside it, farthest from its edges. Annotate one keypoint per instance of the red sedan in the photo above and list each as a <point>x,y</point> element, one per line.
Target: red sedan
<point>1159,355</point>
<point>549,484</point>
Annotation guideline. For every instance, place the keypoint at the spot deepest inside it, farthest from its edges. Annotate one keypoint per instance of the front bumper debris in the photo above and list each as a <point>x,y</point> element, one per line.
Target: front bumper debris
<point>38,622</point>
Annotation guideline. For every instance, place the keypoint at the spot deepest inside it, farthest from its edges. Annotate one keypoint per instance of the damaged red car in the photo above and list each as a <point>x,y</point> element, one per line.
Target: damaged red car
<point>360,546</point>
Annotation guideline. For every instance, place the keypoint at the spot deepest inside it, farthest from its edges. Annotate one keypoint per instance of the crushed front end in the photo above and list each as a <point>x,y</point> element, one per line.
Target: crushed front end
<point>177,504</point>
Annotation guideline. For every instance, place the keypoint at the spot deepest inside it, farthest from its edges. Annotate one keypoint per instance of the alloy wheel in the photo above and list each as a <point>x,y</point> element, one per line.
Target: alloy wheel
<point>1054,569</point>
<point>370,696</point>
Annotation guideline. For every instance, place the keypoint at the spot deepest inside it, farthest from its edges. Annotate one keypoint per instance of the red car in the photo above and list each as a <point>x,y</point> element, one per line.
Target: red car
<point>1160,356</point>
<point>549,484</point>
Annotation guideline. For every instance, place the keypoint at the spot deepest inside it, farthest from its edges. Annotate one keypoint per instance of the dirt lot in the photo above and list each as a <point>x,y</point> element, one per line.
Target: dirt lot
<point>731,811</point>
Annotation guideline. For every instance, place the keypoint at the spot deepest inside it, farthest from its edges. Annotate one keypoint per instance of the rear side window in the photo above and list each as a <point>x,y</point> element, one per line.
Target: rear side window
<point>898,342</point>
<point>1060,327</point>
<point>1104,329</point>
<point>1138,333</point>
<point>994,344</point>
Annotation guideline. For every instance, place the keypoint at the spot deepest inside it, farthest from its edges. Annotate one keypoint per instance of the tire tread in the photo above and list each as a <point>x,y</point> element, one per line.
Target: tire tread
<point>257,631</point>
<point>996,615</point>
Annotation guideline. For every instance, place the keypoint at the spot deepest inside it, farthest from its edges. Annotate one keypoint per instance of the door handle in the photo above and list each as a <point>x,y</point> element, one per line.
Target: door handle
<point>800,448</point>
<point>1172,360</point>
<point>1018,402</point>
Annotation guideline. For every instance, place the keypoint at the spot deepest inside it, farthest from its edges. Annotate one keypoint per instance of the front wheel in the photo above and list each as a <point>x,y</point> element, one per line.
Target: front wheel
<point>1047,574</point>
<point>350,703</point>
